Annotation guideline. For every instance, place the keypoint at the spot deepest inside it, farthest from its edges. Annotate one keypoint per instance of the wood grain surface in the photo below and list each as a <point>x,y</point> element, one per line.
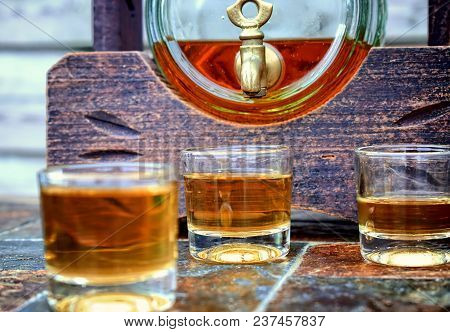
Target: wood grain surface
<point>439,23</point>
<point>118,25</point>
<point>112,106</point>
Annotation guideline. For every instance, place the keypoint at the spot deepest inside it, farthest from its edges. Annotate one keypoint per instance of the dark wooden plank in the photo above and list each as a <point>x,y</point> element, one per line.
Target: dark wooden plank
<point>319,230</point>
<point>439,23</point>
<point>118,25</point>
<point>398,96</point>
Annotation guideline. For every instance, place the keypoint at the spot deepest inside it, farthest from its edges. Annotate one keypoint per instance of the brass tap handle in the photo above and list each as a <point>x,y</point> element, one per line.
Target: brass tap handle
<point>253,67</point>
<point>238,19</point>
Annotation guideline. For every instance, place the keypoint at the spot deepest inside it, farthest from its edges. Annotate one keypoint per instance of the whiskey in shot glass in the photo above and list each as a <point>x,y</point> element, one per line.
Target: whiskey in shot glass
<point>238,202</point>
<point>110,236</point>
<point>404,204</point>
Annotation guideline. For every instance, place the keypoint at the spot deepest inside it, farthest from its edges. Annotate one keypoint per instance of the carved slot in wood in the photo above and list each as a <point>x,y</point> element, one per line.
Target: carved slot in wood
<point>424,114</point>
<point>111,124</point>
<point>328,157</point>
<point>110,155</point>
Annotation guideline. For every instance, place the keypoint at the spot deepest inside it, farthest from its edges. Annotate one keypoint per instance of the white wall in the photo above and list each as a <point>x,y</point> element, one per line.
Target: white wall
<point>68,21</point>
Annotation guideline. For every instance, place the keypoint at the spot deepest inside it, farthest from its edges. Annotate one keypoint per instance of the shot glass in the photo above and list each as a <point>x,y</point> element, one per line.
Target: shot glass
<point>110,236</point>
<point>238,202</point>
<point>403,204</point>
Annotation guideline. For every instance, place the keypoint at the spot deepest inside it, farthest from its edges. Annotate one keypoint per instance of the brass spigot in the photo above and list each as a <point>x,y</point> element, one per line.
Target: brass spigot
<point>257,66</point>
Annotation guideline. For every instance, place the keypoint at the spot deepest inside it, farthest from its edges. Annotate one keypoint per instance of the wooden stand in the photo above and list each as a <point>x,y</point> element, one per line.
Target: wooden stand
<point>113,107</point>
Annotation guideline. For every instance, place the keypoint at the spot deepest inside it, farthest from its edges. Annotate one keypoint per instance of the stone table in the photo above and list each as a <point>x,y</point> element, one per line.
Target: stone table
<point>323,272</point>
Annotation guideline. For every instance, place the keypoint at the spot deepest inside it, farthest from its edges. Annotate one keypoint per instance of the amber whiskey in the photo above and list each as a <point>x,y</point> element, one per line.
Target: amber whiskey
<point>215,60</point>
<point>407,232</point>
<point>405,218</point>
<point>98,236</point>
<point>238,218</point>
<point>239,206</point>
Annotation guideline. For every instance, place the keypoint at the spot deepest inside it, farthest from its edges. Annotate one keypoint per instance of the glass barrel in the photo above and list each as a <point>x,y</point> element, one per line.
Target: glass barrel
<point>321,45</point>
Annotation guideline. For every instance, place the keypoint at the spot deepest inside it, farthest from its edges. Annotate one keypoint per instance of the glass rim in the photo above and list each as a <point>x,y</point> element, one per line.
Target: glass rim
<point>403,150</point>
<point>237,149</point>
<point>146,170</point>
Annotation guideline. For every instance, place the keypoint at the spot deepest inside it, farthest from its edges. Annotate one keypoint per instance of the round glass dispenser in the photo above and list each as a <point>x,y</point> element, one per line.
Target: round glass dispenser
<point>261,62</point>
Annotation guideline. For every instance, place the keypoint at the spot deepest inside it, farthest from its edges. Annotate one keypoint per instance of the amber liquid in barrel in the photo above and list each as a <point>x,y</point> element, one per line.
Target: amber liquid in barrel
<point>215,60</point>
<point>108,236</point>
<point>405,218</point>
<point>233,205</point>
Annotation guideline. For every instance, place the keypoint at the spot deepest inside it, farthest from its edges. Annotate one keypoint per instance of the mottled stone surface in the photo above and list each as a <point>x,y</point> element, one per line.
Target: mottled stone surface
<point>361,294</point>
<point>334,277</point>
<point>19,220</point>
<point>21,255</point>
<point>323,272</point>
<point>343,260</point>
<point>17,287</point>
<point>208,287</point>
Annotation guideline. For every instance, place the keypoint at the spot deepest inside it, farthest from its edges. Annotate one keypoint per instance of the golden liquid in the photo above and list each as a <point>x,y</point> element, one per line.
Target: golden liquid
<point>405,218</point>
<point>108,236</point>
<point>215,60</point>
<point>238,205</point>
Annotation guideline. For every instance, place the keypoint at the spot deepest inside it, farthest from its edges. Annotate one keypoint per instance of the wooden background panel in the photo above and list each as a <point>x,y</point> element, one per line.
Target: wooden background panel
<point>439,22</point>
<point>118,25</point>
<point>112,106</point>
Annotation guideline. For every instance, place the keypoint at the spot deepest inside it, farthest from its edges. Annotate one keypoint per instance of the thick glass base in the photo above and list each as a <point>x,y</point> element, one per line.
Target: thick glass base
<point>154,294</point>
<point>405,253</point>
<point>239,250</point>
